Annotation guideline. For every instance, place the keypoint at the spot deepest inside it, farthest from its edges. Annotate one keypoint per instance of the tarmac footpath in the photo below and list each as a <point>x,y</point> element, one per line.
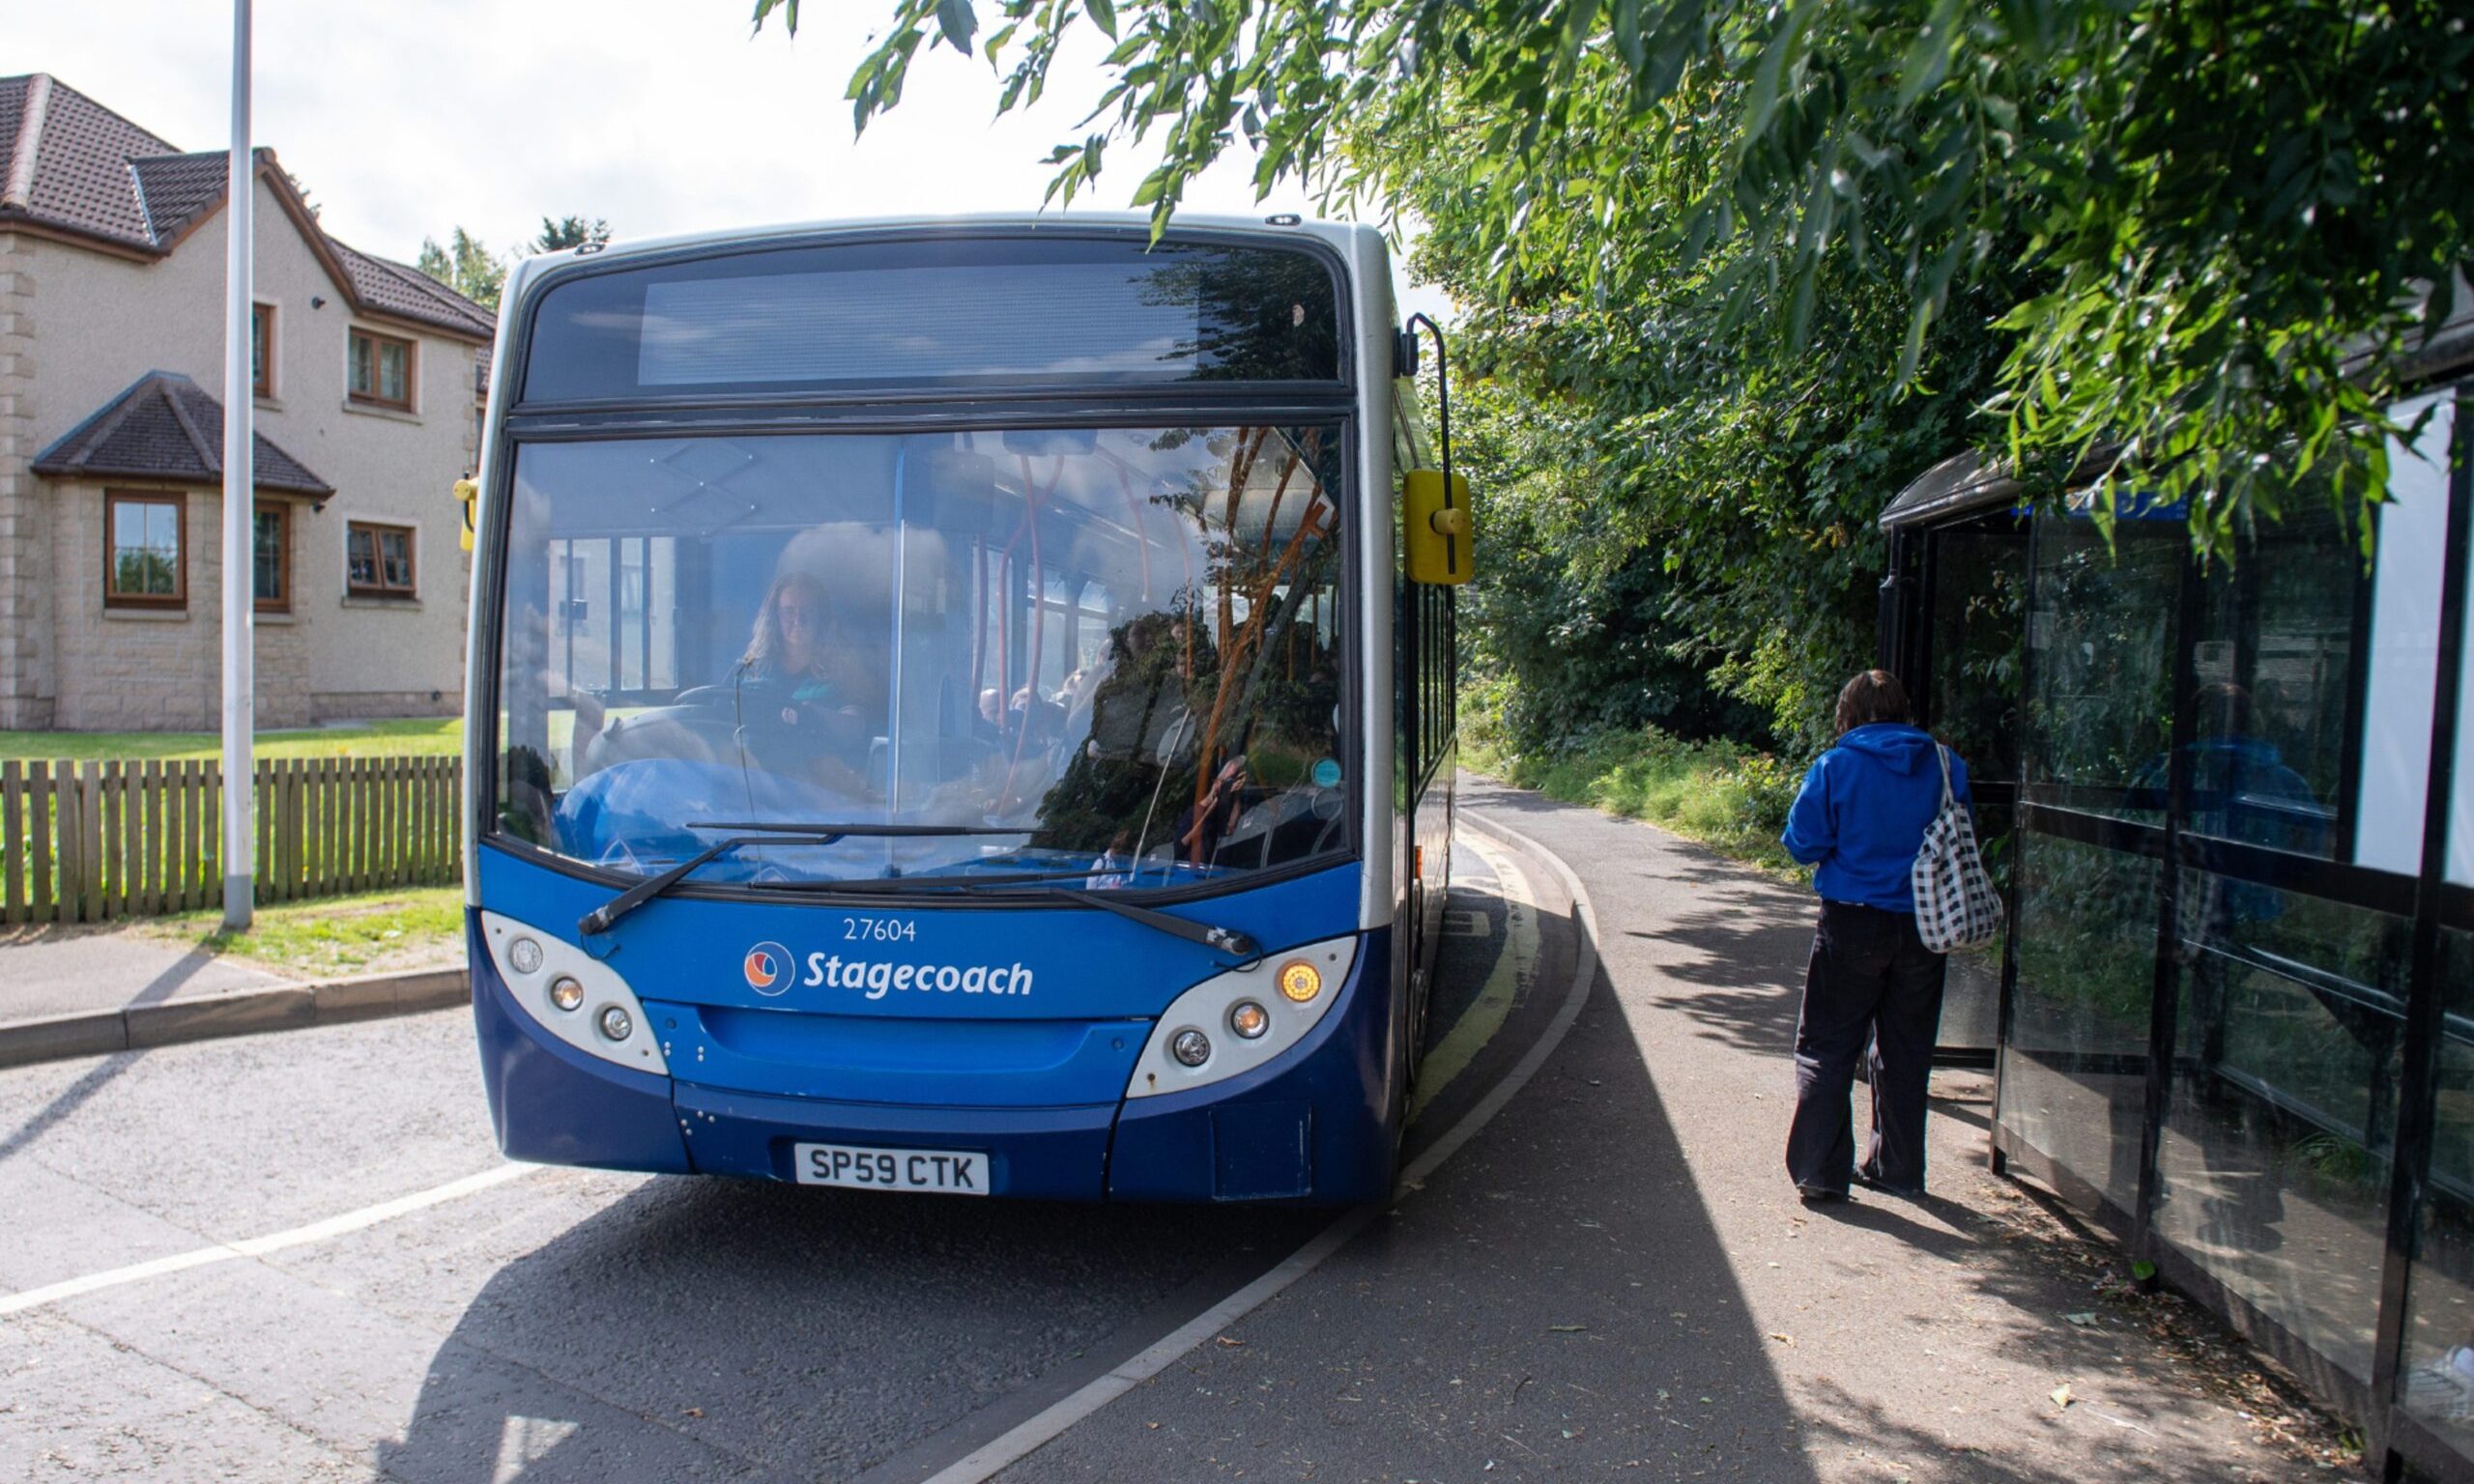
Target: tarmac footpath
<point>1614,1279</point>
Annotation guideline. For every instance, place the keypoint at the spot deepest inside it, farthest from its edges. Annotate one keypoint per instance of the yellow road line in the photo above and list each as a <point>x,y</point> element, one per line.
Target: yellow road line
<point>1503,986</point>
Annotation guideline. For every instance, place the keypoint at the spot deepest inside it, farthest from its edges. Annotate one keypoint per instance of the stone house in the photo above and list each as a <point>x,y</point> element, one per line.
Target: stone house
<point>368,379</point>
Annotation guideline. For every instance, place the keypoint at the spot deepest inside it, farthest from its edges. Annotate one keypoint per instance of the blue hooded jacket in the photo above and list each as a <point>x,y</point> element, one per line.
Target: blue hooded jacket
<point>1860,817</point>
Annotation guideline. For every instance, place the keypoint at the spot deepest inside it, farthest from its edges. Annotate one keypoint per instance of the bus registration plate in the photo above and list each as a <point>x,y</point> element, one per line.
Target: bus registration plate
<point>943,1171</point>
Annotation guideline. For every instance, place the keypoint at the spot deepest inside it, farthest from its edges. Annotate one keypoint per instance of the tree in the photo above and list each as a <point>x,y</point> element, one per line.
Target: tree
<point>2208,234</point>
<point>568,232</point>
<point>467,266</point>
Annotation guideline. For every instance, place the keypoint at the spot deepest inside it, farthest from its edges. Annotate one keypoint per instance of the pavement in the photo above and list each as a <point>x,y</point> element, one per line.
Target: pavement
<point>81,991</point>
<point>1615,1279</point>
<point>299,1257</point>
<point>61,971</point>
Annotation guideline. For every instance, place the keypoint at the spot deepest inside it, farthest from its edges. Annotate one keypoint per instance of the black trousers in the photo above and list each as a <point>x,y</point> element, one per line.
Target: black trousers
<point>1871,981</point>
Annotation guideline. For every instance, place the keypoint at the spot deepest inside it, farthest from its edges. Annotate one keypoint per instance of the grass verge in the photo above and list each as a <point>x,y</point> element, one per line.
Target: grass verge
<point>420,737</point>
<point>1728,797</point>
<point>339,935</point>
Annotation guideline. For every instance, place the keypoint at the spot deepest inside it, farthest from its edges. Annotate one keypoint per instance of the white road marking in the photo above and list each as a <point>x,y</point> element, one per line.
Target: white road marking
<point>1037,1431</point>
<point>260,1246</point>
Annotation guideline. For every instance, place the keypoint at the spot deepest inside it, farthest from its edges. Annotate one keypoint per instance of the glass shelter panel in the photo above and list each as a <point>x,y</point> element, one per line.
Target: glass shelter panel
<point>2273,1164</point>
<point>1978,613</point>
<point>2100,637</point>
<point>2436,1376</point>
<point>2074,1071</point>
<point>2272,666</point>
<point>1103,656</point>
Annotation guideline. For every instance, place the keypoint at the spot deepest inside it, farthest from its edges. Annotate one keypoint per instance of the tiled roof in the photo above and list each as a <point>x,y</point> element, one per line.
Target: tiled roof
<point>166,426</point>
<point>392,288</point>
<point>67,162</point>
<point>179,188</point>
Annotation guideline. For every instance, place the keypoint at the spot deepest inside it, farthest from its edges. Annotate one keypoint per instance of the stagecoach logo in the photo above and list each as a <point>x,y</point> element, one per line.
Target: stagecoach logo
<point>769,967</point>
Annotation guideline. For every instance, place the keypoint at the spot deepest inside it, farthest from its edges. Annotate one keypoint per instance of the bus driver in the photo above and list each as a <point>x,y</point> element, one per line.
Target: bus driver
<point>812,682</point>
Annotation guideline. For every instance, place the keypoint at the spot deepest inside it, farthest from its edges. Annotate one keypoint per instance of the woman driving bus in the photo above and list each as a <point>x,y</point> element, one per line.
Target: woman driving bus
<point>814,684</point>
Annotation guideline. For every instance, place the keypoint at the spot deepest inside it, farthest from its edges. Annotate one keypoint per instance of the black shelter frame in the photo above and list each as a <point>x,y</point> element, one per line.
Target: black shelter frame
<point>2201,1164</point>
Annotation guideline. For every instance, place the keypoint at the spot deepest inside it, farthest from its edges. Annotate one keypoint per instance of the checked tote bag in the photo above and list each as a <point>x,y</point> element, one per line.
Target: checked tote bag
<point>1955,903</point>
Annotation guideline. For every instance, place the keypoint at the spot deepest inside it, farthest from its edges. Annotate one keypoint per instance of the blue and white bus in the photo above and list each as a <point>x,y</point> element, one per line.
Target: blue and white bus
<point>950,709</point>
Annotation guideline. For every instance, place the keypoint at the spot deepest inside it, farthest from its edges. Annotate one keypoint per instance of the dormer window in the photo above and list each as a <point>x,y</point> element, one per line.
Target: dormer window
<point>382,370</point>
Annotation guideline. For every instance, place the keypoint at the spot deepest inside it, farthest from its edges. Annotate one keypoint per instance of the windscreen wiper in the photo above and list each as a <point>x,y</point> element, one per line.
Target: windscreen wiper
<point>832,885</point>
<point>600,918</point>
<point>1226,940</point>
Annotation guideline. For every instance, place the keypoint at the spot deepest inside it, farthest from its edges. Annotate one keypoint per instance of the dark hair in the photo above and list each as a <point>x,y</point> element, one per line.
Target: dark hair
<point>1871,698</point>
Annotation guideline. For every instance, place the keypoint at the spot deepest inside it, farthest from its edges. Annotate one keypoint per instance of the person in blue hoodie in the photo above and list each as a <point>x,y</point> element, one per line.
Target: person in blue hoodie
<point>1858,821</point>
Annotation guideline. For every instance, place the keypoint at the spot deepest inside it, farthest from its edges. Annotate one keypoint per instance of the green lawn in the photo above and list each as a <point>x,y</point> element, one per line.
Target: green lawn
<point>339,935</point>
<point>428,736</point>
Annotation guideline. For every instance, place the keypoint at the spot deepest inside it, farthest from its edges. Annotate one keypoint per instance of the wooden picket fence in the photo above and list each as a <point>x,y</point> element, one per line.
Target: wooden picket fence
<point>91,841</point>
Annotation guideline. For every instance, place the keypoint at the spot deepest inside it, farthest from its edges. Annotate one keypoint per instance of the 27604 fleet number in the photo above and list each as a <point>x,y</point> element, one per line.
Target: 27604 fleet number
<point>878,929</point>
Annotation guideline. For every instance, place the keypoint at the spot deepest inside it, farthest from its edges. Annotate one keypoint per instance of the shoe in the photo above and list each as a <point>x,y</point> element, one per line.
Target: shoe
<point>1819,1195</point>
<point>1871,1181</point>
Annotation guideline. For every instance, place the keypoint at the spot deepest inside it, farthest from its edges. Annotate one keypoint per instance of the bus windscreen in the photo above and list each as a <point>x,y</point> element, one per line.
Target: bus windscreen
<point>931,313</point>
<point>1113,657</point>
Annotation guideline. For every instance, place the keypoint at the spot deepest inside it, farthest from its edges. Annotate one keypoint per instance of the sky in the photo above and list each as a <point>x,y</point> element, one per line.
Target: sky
<point>406,120</point>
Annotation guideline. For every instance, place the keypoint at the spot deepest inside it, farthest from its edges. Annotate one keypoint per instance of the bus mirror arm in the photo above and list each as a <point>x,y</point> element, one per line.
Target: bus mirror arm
<point>1458,526</point>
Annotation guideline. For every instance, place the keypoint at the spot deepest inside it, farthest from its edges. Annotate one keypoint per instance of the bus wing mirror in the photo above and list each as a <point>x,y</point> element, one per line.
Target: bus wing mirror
<point>468,494</point>
<point>1437,530</point>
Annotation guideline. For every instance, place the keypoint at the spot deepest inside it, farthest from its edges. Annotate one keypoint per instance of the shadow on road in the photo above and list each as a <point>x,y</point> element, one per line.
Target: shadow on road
<point>704,1328</point>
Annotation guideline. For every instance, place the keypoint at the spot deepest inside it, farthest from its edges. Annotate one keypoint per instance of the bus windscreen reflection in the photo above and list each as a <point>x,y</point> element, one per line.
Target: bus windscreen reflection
<point>1118,649</point>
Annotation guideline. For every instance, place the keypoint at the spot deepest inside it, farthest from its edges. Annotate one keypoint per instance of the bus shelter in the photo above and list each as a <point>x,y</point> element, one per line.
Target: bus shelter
<point>2231,807</point>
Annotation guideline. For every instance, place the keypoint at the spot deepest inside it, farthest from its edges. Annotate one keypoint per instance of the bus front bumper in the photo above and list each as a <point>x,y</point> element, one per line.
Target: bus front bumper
<point>1313,1126</point>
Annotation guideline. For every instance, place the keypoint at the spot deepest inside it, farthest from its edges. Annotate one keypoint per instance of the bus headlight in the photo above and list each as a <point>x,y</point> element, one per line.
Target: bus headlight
<point>1267,1009</point>
<point>551,981</point>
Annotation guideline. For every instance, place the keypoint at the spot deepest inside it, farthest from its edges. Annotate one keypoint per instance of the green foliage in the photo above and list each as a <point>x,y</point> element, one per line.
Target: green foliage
<point>1709,499</point>
<point>1725,795</point>
<point>568,232</point>
<point>467,266</point>
<point>1574,632</point>
<point>2207,230</point>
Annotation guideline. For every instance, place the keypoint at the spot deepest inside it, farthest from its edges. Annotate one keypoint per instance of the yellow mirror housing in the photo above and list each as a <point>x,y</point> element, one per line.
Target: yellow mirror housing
<point>1436,531</point>
<point>468,494</point>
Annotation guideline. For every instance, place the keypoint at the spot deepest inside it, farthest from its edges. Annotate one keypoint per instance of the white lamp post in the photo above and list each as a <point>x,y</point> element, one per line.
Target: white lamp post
<point>240,488</point>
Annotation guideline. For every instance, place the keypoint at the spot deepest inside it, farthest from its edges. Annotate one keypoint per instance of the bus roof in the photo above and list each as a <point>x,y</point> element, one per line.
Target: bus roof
<point>1345,237</point>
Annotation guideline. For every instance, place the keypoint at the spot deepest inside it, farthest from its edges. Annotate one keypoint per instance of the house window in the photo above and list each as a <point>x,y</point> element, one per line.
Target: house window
<point>270,560</point>
<point>382,370</point>
<point>262,349</point>
<point>378,560</point>
<point>144,541</point>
